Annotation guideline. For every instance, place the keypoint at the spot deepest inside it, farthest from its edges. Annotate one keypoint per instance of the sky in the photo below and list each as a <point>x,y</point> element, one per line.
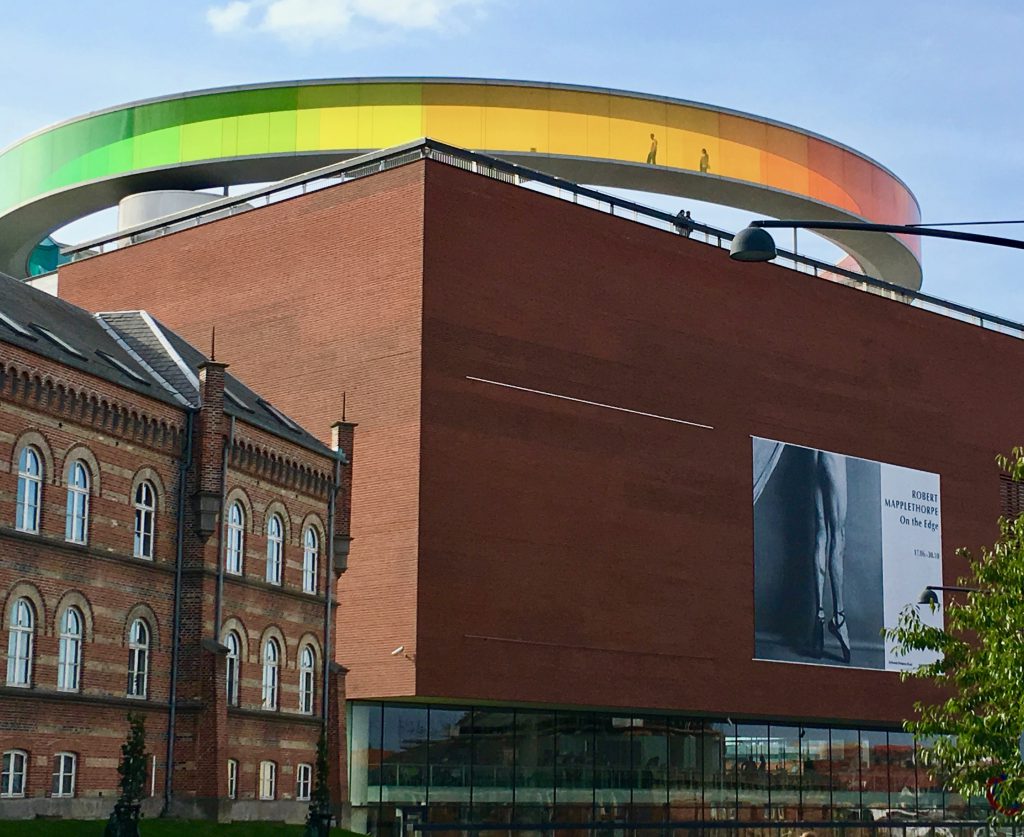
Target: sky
<point>929,88</point>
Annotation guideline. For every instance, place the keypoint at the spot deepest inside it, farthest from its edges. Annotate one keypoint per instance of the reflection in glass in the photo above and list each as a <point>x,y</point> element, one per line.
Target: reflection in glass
<point>845,774</point>
<point>493,763</point>
<point>450,753</point>
<point>535,766</point>
<point>720,771</point>
<point>685,774</point>
<point>816,784</point>
<point>902,772</point>
<point>650,768</point>
<point>574,767</point>
<point>786,769</point>
<point>753,748</point>
<point>613,763</point>
<point>404,755</point>
<point>874,769</point>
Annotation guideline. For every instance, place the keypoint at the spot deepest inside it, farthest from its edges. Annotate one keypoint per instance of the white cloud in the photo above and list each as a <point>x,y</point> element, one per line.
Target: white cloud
<point>305,21</point>
<point>228,18</point>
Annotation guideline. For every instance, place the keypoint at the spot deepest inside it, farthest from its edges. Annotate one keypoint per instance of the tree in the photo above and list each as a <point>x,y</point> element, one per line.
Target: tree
<point>124,820</point>
<point>971,732</point>
<point>318,820</point>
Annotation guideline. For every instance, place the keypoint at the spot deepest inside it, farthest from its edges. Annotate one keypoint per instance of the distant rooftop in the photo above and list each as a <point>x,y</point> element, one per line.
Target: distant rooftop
<point>133,350</point>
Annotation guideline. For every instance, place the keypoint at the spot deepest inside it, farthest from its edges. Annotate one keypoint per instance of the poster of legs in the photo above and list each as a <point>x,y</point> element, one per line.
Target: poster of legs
<point>841,546</point>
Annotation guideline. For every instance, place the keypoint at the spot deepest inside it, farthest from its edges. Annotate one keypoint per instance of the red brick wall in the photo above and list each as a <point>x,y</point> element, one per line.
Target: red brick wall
<point>315,300</point>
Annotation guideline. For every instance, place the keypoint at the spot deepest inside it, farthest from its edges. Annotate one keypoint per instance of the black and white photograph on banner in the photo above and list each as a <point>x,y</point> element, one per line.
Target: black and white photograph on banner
<point>841,546</point>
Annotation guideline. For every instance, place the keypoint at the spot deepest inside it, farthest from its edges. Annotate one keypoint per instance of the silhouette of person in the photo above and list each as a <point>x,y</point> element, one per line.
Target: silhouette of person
<point>683,222</point>
<point>830,548</point>
<point>652,155</point>
<point>704,161</point>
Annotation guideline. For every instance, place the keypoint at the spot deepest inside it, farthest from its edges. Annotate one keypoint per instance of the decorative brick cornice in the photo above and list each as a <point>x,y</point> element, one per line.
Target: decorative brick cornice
<point>69,402</point>
<point>261,462</point>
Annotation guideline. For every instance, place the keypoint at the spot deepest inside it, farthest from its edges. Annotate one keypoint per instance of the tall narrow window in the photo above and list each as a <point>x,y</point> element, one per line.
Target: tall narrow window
<point>63,775</point>
<point>19,644</point>
<point>268,780</point>
<point>12,779</point>
<point>271,663</point>
<point>145,520</point>
<point>303,782</point>
<point>310,556</point>
<point>138,659</point>
<point>76,528</point>
<point>30,487</point>
<point>307,674</point>
<point>234,646</point>
<point>236,538</point>
<point>232,779</point>
<point>69,651</point>
<point>275,549</point>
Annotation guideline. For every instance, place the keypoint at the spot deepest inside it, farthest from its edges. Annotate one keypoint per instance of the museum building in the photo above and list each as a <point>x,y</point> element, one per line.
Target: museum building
<point>575,601</point>
<point>168,541</point>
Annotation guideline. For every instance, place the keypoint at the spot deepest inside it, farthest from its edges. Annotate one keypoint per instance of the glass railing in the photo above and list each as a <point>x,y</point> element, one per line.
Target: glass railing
<point>488,166</point>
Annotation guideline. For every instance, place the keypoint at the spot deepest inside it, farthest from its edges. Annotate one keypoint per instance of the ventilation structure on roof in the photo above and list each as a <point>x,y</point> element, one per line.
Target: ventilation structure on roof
<point>281,417</point>
<point>238,402</point>
<point>16,327</point>
<point>122,368</point>
<point>57,341</point>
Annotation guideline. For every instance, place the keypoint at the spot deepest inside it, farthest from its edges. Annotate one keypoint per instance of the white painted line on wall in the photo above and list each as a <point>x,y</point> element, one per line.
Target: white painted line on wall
<point>590,403</point>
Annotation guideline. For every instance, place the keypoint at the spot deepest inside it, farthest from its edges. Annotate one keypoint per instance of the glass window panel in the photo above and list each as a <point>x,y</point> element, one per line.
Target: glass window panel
<point>786,767</point>
<point>816,758</point>
<point>902,772</point>
<point>874,770</point>
<point>613,766</point>
<point>930,801</point>
<point>450,753</point>
<point>845,774</point>
<point>650,768</point>
<point>364,753</point>
<point>535,766</point>
<point>720,771</point>
<point>685,761</point>
<point>574,767</point>
<point>753,745</point>
<point>404,755</point>
<point>494,753</point>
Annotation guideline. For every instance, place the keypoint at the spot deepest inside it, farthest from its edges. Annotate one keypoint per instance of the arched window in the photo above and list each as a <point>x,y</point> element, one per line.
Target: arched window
<point>310,559</point>
<point>138,659</point>
<point>19,644</point>
<point>271,664</point>
<point>236,538</point>
<point>69,656</point>
<point>303,782</point>
<point>275,548</point>
<point>12,779</point>
<point>268,780</point>
<point>234,646</point>
<point>30,488</point>
<point>307,673</point>
<point>145,520</point>
<point>77,526</point>
<point>64,769</point>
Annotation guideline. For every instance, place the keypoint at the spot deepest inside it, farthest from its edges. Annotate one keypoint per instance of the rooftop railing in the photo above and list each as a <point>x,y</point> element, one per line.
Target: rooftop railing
<point>488,166</point>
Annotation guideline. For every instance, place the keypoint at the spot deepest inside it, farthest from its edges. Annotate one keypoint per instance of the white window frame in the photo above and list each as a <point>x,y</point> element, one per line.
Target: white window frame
<point>232,778</point>
<point>69,650</point>
<point>8,772</point>
<point>268,780</point>
<point>21,643</point>
<point>138,660</point>
<point>234,550</point>
<point>310,559</point>
<point>307,679</point>
<point>233,669</point>
<point>304,782</point>
<point>145,520</point>
<point>76,526</point>
<point>65,769</point>
<point>271,673</point>
<point>275,548</point>
<point>30,490</point>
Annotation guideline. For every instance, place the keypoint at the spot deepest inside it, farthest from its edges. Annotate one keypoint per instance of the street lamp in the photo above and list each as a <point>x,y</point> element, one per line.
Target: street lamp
<point>755,244</point>
<point>930,597</point>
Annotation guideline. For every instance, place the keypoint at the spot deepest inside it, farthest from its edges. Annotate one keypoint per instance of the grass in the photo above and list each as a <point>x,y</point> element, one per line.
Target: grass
<point>157,828</point>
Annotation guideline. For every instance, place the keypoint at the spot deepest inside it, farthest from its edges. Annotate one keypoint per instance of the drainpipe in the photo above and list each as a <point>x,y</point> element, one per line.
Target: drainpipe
<point>328,654</point>
<point>221,544</point>
<point>179,559</point>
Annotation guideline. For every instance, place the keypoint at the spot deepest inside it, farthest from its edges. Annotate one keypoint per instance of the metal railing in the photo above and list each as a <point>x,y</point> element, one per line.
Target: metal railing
<point>494,167</point>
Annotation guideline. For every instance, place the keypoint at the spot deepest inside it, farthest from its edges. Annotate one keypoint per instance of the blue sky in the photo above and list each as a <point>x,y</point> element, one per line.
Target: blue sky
<point>931,89</point>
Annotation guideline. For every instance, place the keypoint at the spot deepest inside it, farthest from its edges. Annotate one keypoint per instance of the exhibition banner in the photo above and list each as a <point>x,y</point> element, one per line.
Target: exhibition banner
<point>841,546</point>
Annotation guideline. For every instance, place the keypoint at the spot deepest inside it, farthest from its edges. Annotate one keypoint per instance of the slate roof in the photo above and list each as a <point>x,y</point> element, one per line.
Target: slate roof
<point>131,349</point>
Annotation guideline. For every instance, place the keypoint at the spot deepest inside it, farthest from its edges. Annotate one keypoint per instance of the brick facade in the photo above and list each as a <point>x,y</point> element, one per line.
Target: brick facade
<point>124,438</point>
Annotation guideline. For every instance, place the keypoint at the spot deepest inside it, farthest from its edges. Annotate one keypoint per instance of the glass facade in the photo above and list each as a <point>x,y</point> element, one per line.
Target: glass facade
<point>460,768</point>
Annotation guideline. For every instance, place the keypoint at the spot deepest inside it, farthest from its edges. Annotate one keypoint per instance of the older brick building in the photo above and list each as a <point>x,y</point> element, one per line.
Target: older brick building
<point>168,541</point>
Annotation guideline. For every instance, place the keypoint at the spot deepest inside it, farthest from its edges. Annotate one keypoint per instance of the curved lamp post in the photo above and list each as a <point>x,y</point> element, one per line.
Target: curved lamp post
<point>929,596</point>
<point>755,243</point>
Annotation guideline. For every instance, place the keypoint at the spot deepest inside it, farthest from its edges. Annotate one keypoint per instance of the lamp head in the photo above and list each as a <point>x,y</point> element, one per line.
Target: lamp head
<point>753,244</point>
<point>928,597</point>
<point>398,651</point>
